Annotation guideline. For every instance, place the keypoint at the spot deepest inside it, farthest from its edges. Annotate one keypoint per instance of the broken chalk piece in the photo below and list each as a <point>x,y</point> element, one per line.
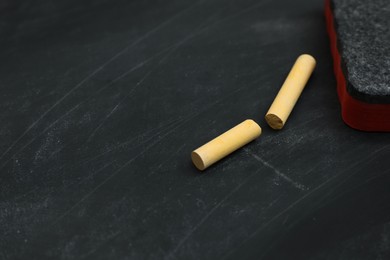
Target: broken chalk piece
<point>225,144</point>
<point>289,93</point>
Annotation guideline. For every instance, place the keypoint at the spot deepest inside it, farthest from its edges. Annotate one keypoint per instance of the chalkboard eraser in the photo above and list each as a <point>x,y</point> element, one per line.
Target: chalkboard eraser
<point>225,144</point>
<point>359,39</point>
<point>290,91</point>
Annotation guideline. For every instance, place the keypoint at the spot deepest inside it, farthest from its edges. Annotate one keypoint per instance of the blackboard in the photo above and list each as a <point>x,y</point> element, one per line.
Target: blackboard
<point>103,101</point>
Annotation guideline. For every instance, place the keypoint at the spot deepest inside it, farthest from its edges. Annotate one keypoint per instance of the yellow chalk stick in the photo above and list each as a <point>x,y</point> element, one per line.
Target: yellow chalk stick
<point>225,144</point>
<point>289,93</point>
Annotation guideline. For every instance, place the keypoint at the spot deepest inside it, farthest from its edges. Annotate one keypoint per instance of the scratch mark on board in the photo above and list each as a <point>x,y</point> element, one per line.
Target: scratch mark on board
<point>44,131</point>
<point>277,172</point>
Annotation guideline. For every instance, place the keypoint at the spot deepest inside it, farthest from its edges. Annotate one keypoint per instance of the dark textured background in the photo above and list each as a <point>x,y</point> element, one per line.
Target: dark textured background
<point>103,101</point>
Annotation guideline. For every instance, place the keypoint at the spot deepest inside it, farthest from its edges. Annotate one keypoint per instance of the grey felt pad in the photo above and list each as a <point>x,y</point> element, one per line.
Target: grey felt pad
<point>363,30</point>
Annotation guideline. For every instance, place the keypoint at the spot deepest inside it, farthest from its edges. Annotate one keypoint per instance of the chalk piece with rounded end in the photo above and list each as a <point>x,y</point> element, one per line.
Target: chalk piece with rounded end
<point>225,144</point>
<point>289,93</point>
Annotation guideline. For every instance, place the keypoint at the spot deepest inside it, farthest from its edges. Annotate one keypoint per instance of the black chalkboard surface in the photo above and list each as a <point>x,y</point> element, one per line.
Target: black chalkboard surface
<point>103,101</point>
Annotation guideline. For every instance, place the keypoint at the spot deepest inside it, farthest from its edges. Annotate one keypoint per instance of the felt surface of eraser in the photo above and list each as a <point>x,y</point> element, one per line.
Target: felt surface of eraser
<point>361,61</point>
<point>363,31</point>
